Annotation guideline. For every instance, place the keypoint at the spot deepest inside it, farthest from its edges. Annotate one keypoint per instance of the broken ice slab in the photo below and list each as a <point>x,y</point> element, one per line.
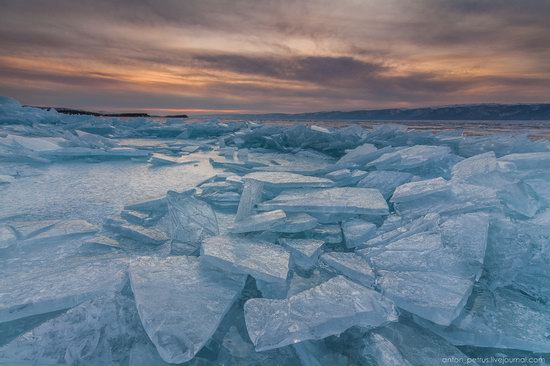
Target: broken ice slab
<point>96,332</point>
<point>8,236</point>
<point>191,220</point>
<point>327,309</point>
<point>503,318</point>
<point>304,252</point>
<point>346,177</point>
<point>525,161</point>
<point>181,303</point>
<point>295,223</point>
<point>357,232</point>
<point>45,290</point>
<point>460,198</point>
<point>414,157</point>
<point>63,230</point>
<point>352,266</point>
<point>423,276</point>
<point>101,242</point>
<point>467,235</point>
<point>138,233</point>
<point>476,165</point>
<point>259,222</point>
<point>139,217</point>
<point>329,200</point>
<point>251,195</point>
<point>161,159</point>
<point>6,179</point>
<point>385,181</point>
<point>262,260</point>
<point>286,180</point>
<point>541,188</point>
<point>420,189</point>
<point>224,186</point>
<point>27,229</point>
<point>331,234</point>
<point>359,156</point>
<point>156,205</point>
<point>404,343</point>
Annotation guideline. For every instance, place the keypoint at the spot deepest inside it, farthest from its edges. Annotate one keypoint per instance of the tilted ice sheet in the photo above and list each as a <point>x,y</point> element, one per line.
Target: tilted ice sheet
<point>503,318</point>
<point>48,289</point>
<point>181,303</point>
<point>327,309</point>
<point>97,332</point>
<point>352,266</point>
<point>260,222</point>
<point>385,181</point>
<point>329,200</point>
<point>304,252</point>
<point>191,220</point>
<point>287,180</point>
<point>262,260</point>
<point>407,344</point>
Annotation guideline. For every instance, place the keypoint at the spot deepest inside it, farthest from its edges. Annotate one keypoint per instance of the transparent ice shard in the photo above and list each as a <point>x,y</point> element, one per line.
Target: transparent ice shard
<point>359,156</point>
<point>352,266</point>
<point>417,190</point>
<point>423,276</point>
<point>252,195</point>
<point>524,161</point>
<point>405,343</point>
<point>304,252</point>
<point>262,260</point>
<point>97,332</point>
<point>357,232</point>
<point>409,158</point>
<point>191,220</point>
<point>385,181</point>
<point>48,289</point>
<point>295,223</point>
<point>503,318</point>
<point>8,236</point>
<point>287,180</point>
<point>327,309</point>
<point>260,222</point>
<point>140,234</point>
<point>181,303</point>
<point>474,166</point>
<point>329,200</point>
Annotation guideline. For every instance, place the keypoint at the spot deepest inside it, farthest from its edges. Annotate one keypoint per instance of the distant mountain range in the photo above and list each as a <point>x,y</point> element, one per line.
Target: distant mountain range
<point>101,114</point>
<point>465,112</point>
<point>452,112</point>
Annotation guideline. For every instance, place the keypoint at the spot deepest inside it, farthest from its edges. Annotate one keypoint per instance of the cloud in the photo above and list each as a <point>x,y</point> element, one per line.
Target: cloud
<point>267,55</point>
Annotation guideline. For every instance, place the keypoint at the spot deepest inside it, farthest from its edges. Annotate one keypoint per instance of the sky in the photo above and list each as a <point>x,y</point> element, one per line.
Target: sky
<point>258,56</point>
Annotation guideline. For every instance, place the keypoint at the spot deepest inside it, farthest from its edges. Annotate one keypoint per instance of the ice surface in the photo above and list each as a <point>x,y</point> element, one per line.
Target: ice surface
<point>464,212</point>
<point>329,200</point>
<point>43,290</point>
<point>260,222</point>
<point>327,309</point>
<point>304,252</point>
<point>262,260</point>
<point>181,303</point>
